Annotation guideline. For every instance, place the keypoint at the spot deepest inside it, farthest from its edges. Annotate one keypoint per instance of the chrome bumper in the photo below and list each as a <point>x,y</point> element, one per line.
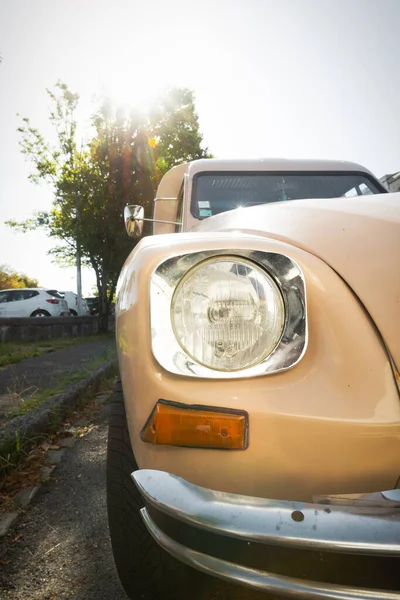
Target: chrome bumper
<point>256,530</point>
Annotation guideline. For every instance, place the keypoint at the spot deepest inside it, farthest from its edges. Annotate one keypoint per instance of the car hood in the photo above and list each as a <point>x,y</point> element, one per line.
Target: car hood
<point>358,237</point>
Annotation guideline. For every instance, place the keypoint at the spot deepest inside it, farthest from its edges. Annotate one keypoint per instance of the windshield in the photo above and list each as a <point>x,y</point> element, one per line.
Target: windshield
<point>214,193</point>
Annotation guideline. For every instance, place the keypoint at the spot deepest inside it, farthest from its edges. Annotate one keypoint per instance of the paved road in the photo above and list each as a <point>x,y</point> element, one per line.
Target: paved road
<point>64,550</point>
<point>60,549</point>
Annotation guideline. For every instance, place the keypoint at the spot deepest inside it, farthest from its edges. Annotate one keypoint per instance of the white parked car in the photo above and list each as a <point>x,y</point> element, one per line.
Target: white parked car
<point>72,301</point>
<point>32,302</point>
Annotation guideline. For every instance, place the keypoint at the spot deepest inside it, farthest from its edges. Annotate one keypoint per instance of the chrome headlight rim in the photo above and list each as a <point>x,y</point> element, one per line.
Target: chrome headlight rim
<point>283,270</point>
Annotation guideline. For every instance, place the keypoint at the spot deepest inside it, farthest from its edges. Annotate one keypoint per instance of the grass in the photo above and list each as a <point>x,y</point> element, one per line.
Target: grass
<point>17,448</point>
<point>63,382</point>
<point>14,352</point>
<point>20,465</point>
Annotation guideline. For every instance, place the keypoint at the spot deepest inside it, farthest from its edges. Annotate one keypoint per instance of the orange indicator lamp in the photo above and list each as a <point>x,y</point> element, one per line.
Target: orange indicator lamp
<point>176,424</point>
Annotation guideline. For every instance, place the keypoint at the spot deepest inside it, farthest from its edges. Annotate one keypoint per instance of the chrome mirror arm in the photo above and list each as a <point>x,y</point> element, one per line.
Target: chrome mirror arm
<point>156,221</point>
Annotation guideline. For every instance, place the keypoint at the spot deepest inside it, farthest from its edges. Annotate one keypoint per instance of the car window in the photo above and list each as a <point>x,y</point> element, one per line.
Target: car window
<point>218,192</point>
<point>30,294</point>
<point>16,295</point>
<point>54,293</point>
<point>4,297</point>
<point>351,193</point>
<point>364,189</point>
<point>359,190</point>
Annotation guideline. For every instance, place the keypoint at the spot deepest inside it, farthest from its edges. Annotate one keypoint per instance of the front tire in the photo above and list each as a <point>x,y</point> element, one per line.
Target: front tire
<point>145,570</point>
<point>73,312</point>
<point>138,559</point>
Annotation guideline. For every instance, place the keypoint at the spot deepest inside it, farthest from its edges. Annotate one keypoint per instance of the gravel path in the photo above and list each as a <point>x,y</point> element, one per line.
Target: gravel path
<point>64,550</point>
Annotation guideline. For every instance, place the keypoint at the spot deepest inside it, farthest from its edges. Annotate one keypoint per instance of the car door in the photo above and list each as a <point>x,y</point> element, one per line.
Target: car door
<point>3,303</point>
<point>31,301</point>
<point>16,305</point>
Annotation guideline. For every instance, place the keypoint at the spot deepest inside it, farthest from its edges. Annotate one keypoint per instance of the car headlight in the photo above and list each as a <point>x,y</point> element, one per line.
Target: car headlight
<point>227,313</point>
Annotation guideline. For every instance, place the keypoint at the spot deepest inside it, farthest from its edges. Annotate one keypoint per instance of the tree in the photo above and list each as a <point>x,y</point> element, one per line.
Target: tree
<point>122,164</point>
<point>174,126</point>
<point>10,279</point>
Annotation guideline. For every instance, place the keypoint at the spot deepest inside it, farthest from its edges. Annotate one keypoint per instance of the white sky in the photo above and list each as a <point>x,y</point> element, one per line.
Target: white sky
<point>294,78</point>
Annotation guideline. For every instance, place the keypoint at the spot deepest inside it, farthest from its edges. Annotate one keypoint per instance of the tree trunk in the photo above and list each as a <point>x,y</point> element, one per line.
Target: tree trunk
<point>101,281</point>
<point>103,305</point>
<point>111,293</point>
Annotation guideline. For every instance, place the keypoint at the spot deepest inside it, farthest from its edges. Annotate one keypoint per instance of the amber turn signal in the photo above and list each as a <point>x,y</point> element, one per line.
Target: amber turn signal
<point>176,424</point>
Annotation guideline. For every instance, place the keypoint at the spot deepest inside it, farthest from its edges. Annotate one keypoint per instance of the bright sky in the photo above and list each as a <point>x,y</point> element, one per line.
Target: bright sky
<point>307,79</point>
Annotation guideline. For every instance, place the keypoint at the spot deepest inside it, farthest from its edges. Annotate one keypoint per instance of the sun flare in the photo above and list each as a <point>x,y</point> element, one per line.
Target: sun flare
<point>135,91</point>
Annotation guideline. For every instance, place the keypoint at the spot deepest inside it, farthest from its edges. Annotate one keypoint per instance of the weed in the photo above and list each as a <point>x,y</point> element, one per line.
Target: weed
<point>37,398</point>
<point>14,352</point>
<point>99,360</point>
<point>20,458</point>
<point>15,449</point>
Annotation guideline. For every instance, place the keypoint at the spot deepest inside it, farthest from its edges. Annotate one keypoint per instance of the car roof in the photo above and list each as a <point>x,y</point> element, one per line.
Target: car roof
<point>273,164</point>
<point>24,289</point>
<point>171,182</point>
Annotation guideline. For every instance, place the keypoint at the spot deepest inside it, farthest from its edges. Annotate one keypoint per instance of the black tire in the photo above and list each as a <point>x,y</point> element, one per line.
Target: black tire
<point>40,313</point>
<point>138,559</point>
<point>145,570</point>
<point>73,312</point>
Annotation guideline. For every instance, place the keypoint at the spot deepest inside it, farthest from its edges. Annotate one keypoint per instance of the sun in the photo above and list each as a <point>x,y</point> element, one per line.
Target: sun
<point>133,89</point>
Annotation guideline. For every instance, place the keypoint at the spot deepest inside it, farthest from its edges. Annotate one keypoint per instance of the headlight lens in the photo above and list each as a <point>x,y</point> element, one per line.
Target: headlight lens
<point>227,313</point>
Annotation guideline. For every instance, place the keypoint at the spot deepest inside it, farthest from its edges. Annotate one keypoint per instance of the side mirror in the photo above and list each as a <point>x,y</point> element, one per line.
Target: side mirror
<point>134,220</point>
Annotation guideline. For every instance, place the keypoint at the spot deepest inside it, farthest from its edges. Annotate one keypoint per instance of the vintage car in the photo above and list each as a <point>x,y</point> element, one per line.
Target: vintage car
<point>254,442</point>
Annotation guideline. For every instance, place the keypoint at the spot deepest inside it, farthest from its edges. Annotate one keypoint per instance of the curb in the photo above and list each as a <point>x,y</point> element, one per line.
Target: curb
<point>23,498</point>
<point>40,421</point>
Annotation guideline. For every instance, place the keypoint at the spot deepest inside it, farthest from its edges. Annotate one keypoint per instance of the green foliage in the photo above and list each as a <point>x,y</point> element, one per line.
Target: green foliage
<point>175,127</point>
<point>122,164</point>
<point>10,279</point>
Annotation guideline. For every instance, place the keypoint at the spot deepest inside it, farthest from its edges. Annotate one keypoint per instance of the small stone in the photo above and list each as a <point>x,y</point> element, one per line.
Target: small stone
<point>54,457</point>
<point>46,472</point>
<point>6,521</point>
<point>24,497</point>
<point>66,442</point>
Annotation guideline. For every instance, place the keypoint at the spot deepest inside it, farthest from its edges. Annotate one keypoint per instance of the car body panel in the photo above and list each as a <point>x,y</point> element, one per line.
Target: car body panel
<point>358,237</point>
<point>72,300</point>
<point>319,428</point>
<point>93,305</point>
